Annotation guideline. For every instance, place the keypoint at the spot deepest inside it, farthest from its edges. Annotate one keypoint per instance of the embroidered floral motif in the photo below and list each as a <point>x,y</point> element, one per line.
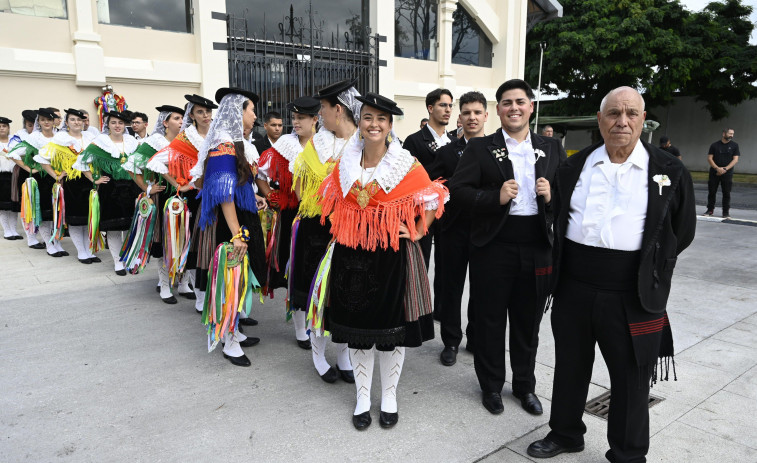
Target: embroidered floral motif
<point>662,180</point>
<point>539,154</point>
<point>433,146</point>
<point>500,154</point>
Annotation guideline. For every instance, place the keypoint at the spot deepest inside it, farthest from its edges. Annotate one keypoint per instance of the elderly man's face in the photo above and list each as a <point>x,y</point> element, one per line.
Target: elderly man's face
<point>622,119</point>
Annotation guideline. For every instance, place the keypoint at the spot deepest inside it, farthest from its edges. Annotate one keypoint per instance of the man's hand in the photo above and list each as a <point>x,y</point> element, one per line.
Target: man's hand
<point>508,191</point>
<point>543,189</point>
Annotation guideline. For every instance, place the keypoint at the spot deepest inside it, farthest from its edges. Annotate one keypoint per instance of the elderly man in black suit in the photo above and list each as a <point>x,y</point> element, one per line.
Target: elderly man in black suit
<point>504,180</point>
<point>625,210</point>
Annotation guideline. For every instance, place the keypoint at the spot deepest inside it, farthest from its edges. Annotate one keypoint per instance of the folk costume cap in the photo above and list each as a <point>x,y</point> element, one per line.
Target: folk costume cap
<point>374,100</point>
<point>335,89</point>
<point>118,115</point>
<point>46,112</point>
<point>29,115</point>
<point>75,112</point>
<point>223,91</point>
<point>200,101</point>
<point>5,120</point>
<point>305,105</point>
<point>170,109</point>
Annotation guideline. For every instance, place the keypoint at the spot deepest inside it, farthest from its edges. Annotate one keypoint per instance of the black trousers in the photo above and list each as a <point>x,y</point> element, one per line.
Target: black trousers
<point>726,182</point>
<point>455,250</point>
<point>502,275</point>
<point>583,316</point>
<point>434,237</point>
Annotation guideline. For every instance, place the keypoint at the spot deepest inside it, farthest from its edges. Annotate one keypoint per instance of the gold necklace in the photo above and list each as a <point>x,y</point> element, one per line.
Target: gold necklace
<point>363,196</point>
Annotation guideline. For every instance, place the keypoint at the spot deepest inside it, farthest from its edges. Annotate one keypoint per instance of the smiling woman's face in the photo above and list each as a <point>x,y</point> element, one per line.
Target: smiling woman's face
<point>375,124</point>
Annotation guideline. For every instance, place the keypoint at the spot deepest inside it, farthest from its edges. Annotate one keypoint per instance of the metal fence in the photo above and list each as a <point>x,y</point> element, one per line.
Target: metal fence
<point>296,59</point>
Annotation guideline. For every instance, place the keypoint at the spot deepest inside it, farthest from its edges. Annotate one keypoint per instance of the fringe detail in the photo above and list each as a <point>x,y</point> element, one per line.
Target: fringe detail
<point>279,170</point>
<point>365,337</point>
<point>135,252</point>
<point>59,213</point>
<point>221,187</point>
<point>96,241</point>
<point>179,165</point>
<point>310,183</point>
<point>103,163</point>
<point>62,159</point>
<point>417,290</point>
<point>663,364</point>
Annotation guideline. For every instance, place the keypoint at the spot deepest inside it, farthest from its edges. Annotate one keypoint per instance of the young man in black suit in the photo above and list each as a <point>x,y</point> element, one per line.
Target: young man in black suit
<point>505,180</point>
<point>273,125</point>
<point>455,230</point>
<point>614,254</point>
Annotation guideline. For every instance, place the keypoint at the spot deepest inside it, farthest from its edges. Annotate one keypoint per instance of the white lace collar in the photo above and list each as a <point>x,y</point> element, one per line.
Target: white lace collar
<point>38,140</point>
<point>157,141</point>
<point>63,138</point>
<point>194,136</point>
<point>288,146</point>
<point>250,152</point>
<point>389,172</point>
<point>327,145</point>
<point>104,142</point>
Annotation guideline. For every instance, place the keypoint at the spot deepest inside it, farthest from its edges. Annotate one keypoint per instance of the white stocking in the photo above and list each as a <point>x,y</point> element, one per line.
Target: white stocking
<point>231,345</point>
<point>6,226</point>
<point>12,221</point>
<point>46,232</point>
<point>343,356</point>
<point>165,286</point>
<point>318,349</point>
<point>300,318</point>
<point>31,238</point>
<point>115,241</point>
<point>362,365</point>
<point>200,302</point>
<point>184,282</point>
<point>77,234</point>
<point>390,364</point>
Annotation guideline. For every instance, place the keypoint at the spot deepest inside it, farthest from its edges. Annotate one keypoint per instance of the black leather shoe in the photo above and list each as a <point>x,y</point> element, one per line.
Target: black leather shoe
<point>330,376</point>
<point>545,448</point>
<point>17,237</point>
<point>85,261</point>
<point>530,403</point>
<point>250,341</point>
<point>361,421</point>
<point>55,254</point>
<point>248,321</point>
<point>121,272</point>
<point>305,344</point>
<point>157,289</point>
<point>190,295</point>
<point>493,402</point>
<point>388,420</point>
<point>170,300</point>
<point>448,356</point>
<point>347,375</point>
<point>95,259</point>
<point>242,361</point>
<point>64,253</point>
<point>38,246</point>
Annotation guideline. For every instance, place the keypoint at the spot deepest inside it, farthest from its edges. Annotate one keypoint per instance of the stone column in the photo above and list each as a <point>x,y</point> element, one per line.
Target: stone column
<point>214,64</point>
<point>444,54</point>
<point>89,57</point>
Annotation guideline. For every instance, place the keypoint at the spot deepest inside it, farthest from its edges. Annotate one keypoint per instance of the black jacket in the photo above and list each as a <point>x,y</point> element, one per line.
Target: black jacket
<point>262,144</point>
<point>422,145</point>
<point>669,227</point>
<point>479,178</point>
<point>444,165</point>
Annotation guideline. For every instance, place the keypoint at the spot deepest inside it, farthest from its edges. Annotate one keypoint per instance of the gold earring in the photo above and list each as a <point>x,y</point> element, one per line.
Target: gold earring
<point>389,138</point>
<point>360,136</point>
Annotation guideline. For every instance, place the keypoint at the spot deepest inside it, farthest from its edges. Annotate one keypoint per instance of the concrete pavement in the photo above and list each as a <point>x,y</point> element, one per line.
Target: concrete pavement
<point>96,368</point>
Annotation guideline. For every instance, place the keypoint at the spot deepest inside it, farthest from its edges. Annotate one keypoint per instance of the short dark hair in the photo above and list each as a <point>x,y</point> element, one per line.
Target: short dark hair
<point>272,115</point>
<point>472,97</point>
<point>727,129</point>
<point>513,84</point>
<point>425,119</point>
<point>664,139</point>
<point>436,95</point>
<point>142,116</point>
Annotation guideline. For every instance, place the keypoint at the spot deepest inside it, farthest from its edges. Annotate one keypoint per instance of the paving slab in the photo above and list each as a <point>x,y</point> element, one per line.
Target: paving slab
<point>728,415</point>
<point>682,443</point>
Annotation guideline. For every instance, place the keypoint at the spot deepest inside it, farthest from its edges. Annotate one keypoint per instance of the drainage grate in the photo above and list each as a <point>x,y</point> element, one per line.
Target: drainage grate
<point>600,406</point>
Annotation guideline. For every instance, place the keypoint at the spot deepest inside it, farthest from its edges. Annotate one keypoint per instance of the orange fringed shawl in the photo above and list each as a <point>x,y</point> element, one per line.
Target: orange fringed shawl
<point>182,156</point>
<point>379,223</point>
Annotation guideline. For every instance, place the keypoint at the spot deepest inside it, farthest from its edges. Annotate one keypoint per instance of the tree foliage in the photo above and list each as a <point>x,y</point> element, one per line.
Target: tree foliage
<point>656,46</point>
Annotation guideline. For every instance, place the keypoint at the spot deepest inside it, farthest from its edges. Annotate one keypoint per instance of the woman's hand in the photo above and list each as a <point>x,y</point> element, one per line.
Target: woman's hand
<point>405,233</point>
<point>184,188</point>
<point>102,180</point>
<point>157,188</point>
<point>240,248</point>
<point>261,203</point>
<point>62,176</point>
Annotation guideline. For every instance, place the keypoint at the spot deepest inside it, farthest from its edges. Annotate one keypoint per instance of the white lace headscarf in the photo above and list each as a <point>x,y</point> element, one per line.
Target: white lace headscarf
<point>349,99</point>
<point>187,120</point>
<point>227,126</point>
<point>159,127</point>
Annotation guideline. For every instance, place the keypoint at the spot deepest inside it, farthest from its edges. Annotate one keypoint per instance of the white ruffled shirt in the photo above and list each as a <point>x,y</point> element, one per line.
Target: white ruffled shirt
<point>159,162</point>
<point>288,145</point>
<point>63,138</point>
<point>523,160</point>
<point>608,208</point>
<point>6,165</point>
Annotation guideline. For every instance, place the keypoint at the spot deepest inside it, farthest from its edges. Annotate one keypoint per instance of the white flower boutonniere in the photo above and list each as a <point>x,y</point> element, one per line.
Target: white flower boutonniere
<point>539,154</point>
<point>500,154</point>
<point>433,146</point>
<point>662,180</point>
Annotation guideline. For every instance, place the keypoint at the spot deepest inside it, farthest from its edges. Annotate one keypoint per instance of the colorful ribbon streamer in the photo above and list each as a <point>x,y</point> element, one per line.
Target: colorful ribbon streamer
<point>135,252</point>
<point>59,213</point>
<point>96,241</point>
<point>319,293</point>
<point>31,215</point>
<point>176,236</point>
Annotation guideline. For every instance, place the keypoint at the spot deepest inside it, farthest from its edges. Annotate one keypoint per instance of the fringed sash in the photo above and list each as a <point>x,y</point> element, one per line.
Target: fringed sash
<point>279,172</point>
<point>309,172</point>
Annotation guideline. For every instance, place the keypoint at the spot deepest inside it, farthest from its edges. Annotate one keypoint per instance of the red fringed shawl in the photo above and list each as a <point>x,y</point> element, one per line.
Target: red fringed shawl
<point>279,171</point>
<point>379,223</point>
<point>182,156</point>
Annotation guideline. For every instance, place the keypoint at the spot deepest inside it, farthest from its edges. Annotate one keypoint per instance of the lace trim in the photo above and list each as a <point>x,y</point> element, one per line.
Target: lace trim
<point>193,136</point>
<point>156,141</point>
<point>289,146</point>
<point>104,142</point>
<point>389,173</point>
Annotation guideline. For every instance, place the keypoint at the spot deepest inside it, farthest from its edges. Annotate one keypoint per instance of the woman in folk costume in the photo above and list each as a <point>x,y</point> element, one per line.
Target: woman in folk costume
<point>23,155</point>
<point>275,183</point>
<point>21,173</point>
<point>174,162</point>
<point>380,202</point>
<point>229,205</point>
<point>102,163</point>
<point>167,127</point>
<point>57,158</point>
<point>8,218</point>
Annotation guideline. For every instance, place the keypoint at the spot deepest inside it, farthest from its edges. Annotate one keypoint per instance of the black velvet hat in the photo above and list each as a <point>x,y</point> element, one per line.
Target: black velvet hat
<point>200,101</point>
<point>46,112</point>
<point>29,115</point>
<point>377,101</point>
<point>305,105</point>
<point>223,91</point>
<point>118,115</point>
<point>75,112</point>
<point>170,108</point>
<point>5,120</point>
<point>335,89</point>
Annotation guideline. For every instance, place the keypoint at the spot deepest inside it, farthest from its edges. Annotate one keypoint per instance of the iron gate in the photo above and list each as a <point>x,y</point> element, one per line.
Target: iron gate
<point>296,59</point>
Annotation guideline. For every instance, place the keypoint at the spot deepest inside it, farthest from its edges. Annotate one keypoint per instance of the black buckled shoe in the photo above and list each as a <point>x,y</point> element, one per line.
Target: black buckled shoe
<point>530,403</point>
<point>545,448</point>
<point>361,421</point>
<point>242,361</point>
<point>121,273</point>
<point>85,261</point>
<point>493,402</point>
<point>330,376</point>
<point>448,357</point>
<point>388,420</point>
<point>95,259</point>
<point>38,246</point>
<point>190,295</point>
<point>305,344</point>
<point>347,375</point>
<point>64,253</point>
<point>248,321</point>
<point>250,341</point>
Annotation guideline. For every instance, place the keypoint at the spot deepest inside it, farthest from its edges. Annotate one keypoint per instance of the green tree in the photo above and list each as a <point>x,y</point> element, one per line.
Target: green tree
<point>654,45</point>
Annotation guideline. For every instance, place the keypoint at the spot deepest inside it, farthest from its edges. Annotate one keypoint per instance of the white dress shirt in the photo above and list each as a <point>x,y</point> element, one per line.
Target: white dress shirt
<point>523,159</point>
<point>440,140</point>
<point>609,204</point>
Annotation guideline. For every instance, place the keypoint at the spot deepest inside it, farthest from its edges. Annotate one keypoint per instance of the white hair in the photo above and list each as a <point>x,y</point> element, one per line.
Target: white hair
<point>619,89</point>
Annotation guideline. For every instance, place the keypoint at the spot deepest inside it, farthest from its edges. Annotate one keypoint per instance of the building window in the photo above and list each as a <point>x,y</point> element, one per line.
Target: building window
<point>469,43</point>
<point>415,29</point>
<point>166,15</point>
<point>40,8</point>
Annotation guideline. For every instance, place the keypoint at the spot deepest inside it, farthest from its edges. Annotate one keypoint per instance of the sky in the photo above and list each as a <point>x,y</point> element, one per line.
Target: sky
<point>698,5</point>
